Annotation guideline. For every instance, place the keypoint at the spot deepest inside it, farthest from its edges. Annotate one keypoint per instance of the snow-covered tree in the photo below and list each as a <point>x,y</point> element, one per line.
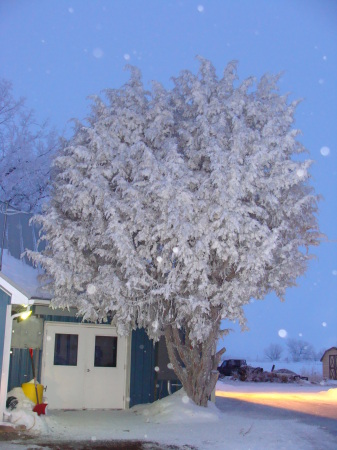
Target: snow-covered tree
<point>273,352</point>
<point>174,208</point>
<point>26,149</point>
<point>300,350</point>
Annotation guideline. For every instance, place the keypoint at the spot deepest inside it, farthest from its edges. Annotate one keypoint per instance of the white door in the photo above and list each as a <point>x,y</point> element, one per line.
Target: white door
<point>84,366</point>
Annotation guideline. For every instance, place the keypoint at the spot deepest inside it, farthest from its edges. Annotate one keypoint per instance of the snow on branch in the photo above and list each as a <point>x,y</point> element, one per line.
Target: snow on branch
<point>179,206</point>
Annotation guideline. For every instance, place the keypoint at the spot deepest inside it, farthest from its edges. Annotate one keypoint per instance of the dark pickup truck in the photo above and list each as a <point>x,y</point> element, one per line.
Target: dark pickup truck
<point>230,366</point>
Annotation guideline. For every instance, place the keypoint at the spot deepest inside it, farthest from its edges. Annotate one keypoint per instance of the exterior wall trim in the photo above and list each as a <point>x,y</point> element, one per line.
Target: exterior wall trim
<point>18,296</point>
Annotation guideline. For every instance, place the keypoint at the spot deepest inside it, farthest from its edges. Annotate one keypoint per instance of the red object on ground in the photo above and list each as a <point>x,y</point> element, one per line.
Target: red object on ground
<point>39,408</point>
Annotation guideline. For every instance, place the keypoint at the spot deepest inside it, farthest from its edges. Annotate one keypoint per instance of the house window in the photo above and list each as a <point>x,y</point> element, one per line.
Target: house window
<point>105,351</point>
<point>65,352</point>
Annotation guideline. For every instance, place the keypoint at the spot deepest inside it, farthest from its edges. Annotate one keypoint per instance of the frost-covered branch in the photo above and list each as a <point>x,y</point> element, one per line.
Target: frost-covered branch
<point>26,150</point>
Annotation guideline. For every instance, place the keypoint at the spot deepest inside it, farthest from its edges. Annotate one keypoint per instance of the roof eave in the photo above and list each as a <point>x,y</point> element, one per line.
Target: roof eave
<point>19,296</point>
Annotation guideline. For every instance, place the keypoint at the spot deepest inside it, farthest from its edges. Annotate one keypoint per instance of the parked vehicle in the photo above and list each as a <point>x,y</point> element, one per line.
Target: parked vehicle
<point>230,366</point>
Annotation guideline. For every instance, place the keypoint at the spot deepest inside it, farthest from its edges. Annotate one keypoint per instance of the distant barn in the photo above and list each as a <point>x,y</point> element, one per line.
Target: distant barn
<point>329,360</point>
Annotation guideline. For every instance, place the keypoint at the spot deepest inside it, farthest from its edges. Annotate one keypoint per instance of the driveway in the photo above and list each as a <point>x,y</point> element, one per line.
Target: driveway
<point>284,413</point>
<point>310,399</point>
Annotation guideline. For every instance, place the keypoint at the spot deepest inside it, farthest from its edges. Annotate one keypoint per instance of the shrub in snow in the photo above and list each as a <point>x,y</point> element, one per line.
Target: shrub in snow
<point>178,206</point>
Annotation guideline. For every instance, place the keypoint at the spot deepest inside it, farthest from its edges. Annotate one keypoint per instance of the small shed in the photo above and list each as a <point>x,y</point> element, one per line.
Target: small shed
<point>329,360</point>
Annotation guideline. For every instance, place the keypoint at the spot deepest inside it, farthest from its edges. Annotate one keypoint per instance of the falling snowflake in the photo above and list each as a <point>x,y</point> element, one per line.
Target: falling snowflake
<point>282,333</point>
<point>170,366</point>
<point>185,399</point>
<point>141,347</point>
<point>98,52</point>
<point>325,58</point>
<point>126,56</point>
<point>200,8</point>
<point>71,10</point>
<point>156,369</point>
<point>175,250</point>
<point>91,289</point>
<point>324,324</point>
<point>300,334</point>
<point>159,259</point>
<point>334,272</point>
<point>321,81</point>
<point>301,173</point>
<point>325,151</point>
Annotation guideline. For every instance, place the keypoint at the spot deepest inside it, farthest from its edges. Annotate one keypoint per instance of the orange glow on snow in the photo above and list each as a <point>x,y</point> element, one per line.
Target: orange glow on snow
<point>322,404</point>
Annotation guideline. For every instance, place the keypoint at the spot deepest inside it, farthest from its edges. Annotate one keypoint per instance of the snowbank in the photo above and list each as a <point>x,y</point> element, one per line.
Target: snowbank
<point>176,408</point>
<point>23,413</point>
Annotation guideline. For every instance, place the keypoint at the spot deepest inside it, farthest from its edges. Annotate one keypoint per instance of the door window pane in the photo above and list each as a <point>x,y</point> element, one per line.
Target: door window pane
<point>105,351</point>
<point>65,352</point>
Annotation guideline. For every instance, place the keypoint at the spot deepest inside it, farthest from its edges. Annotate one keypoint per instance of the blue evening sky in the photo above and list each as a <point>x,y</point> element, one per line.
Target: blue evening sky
<point>57,52</point>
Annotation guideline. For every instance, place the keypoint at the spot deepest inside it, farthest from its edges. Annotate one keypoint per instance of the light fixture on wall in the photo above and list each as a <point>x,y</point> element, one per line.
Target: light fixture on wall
<point>23,314</point>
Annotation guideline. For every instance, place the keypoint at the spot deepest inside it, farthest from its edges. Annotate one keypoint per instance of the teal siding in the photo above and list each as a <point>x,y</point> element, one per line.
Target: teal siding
<point>20,367</point>
<point>142,378</point>
<point>5,300</point>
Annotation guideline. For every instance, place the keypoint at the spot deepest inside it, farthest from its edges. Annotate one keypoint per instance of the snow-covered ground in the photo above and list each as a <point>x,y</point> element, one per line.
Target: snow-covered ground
<point>177,421</point>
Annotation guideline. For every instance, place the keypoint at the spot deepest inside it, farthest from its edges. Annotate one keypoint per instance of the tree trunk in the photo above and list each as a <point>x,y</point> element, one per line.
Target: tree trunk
<point>195,366</point>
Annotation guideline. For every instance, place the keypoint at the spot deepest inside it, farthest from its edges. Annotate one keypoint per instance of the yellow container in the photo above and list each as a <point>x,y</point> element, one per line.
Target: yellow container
<point>29,391</point>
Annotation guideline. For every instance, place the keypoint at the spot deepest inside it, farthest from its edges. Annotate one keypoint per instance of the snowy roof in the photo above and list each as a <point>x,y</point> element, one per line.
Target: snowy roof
<point>16,236</point>
<point>326,351</point>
